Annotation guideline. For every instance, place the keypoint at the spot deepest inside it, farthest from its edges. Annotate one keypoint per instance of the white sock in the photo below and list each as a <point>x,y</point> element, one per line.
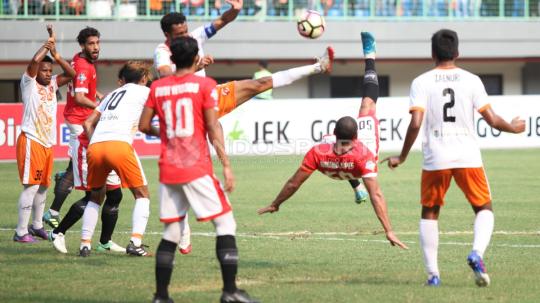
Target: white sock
<point>141,212</point>
<point>483,228</point>
<point>360,187</point>
<point>429,240</point>
<point>89,221</point>
<point>286,77</point>
<point>54,212</point>
<point>25,208</point>
<point>185,233</point>
<point>39,207</point>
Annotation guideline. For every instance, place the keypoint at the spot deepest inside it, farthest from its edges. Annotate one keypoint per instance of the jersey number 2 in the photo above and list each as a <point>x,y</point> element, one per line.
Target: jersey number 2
<point>183,116</point>
<point>448,105</point>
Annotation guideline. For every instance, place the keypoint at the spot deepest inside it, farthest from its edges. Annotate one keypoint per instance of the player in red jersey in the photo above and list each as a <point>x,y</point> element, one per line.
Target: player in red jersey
<point>81,101</point>
<point>186,105</point>
<point>354,153</point>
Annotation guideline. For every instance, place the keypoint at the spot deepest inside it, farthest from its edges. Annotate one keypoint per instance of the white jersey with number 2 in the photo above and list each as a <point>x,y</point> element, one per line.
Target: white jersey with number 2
<point>120,114</point>
<point>449,98</point>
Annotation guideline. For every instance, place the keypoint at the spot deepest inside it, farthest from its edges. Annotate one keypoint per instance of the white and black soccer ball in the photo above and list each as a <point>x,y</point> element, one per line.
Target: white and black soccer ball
<point>311,24</point>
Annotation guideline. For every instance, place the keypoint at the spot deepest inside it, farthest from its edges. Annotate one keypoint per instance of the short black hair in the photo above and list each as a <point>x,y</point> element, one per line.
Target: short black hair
<point>47,59</point>
<point>171,19</point>
<point>444,45</point>
<point>263,63</point>
<point>184,50</point>
<point>134,71</point>
<point>85,33</point>
<point>346,129</point>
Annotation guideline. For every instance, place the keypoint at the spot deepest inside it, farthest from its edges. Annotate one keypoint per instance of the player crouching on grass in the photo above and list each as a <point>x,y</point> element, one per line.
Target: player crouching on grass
<point>111,128</point>
<point>352,155</point>
<point>38,135</point>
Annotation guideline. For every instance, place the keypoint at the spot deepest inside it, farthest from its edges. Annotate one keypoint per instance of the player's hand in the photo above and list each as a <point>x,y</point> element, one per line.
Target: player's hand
<point>229,179</point>
<point>52,35</point>
<point>205,61</point>
<point>236,4</point>
<point>518,125</point>
<point>269,209</point>
<point>393,161</point>
<point>394,240</point>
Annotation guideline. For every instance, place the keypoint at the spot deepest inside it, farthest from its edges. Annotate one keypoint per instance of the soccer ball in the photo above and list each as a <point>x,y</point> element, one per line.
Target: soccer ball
<point>311,24</point>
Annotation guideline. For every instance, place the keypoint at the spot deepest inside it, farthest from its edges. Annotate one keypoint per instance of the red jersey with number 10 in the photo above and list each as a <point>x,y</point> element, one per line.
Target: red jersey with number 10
<point>358,162</point>
<point>179,102</point>
<point>85,81</point>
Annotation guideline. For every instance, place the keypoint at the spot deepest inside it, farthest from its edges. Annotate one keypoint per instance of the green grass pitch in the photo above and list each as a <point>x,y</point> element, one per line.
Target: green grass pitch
<point>320,247</point>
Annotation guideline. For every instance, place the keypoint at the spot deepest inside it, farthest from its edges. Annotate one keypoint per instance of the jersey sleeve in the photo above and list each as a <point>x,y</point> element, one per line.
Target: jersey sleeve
<point>103,104</point>
<point>210,96</point>
<point>161,57</point>
<point>82,80</point>
<point>417,96</point>
<point>151,101</point>
<point>54,82</point>
<point>368,168</point>
<point>203,33</point>
<point>480,96</point>
<point>309,164</point>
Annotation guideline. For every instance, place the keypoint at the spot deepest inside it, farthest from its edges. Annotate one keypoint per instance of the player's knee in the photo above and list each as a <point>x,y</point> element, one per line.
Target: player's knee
<point>79,206</point>
<point>63,182</point>
<point>140,192</point>
<point>171,232</point>
<point>226,250</point>
<point>225,225</point>
<point>165,254</point>
<point>114,197</point>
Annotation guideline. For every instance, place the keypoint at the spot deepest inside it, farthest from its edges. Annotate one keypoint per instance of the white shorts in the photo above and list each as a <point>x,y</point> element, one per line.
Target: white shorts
<point>74,131</point>
<point>204,195</point>
<point>368,133</point>
<point>80,170</point>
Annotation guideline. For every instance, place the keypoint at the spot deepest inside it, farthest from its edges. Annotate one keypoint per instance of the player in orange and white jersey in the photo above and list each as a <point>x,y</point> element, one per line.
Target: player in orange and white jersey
<point>38,135</point>
<point>444,100</point>
<point>111,128</point>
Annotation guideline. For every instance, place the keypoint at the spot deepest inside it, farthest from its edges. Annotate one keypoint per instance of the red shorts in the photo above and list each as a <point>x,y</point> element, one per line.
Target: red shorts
<point>472,181</point>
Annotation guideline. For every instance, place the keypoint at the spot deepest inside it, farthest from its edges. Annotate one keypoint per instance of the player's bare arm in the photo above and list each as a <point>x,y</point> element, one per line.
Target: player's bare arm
<point>69,72</point>
<point>145,123</point>
<point>516,126</point>
<point>33,66</point>
<point>90,123</point>
<point>292,185</point>
<point>215,134</point>
<point>229,15</point>
<point>379,206</point>
<point>412,132</point>
<point>82,100</point>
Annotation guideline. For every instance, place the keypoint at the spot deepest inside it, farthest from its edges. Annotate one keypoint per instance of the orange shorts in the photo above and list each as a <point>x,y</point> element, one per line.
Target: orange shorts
<point>34,160</point>
<point>103,157</point>
<point>226,98</point>
<point>472,182</point>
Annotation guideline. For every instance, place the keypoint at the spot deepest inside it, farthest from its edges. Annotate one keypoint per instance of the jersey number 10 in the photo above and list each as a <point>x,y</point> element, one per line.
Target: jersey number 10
<point>183,117</point>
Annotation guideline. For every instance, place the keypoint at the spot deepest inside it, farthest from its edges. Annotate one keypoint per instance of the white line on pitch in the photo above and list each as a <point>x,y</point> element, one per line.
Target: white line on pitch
<point>304,235</point>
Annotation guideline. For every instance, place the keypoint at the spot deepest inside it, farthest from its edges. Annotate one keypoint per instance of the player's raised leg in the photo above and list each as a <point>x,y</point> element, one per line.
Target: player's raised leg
<point>247,89</point>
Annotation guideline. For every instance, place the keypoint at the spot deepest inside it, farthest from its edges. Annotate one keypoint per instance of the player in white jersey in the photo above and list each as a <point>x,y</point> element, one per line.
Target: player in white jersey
<point>445,99</point>
<point>38,135</point>
<point>174,25</point>
<point>111,128</point>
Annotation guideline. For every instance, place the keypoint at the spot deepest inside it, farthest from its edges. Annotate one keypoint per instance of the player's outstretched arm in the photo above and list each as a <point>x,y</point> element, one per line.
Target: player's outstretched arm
<point>292,185</point>
<point>90,123</point>
<point>33,66</point>
<point>516,126</point>
<point>215,134</point>
<point>69,72</point>
<point>229,15</point>
<point>379,206</point>
<point>145,122</point>
<point>412,132</point>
